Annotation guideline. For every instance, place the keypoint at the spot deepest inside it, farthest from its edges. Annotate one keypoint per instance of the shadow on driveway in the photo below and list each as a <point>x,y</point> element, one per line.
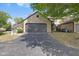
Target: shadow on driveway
<point>48,45</point>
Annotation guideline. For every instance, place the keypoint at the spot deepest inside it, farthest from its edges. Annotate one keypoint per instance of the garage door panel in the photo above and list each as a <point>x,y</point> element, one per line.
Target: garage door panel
<point>36,27</point>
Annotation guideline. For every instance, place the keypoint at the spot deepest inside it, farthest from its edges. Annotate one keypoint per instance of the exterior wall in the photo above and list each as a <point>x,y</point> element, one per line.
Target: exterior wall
<point>69,26</point>
<point>40,19</point>
<point>76,27</point>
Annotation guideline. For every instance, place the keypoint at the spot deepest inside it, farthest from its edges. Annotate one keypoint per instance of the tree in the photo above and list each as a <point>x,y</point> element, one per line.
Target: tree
<point>3,18</point>
<point>18,20</point>
<point>57,10</point>
<point>7,26</point>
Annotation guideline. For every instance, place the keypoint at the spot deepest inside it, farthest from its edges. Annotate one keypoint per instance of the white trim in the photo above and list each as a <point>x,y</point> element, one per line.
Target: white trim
<point>24,27</point>
<point>75,27</point>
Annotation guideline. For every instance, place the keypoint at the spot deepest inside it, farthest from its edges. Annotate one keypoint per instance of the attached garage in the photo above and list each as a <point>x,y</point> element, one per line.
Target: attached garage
<point>36,27</point>
<point>66,26</point>
<point>37,23</point>
<point>71,26</point>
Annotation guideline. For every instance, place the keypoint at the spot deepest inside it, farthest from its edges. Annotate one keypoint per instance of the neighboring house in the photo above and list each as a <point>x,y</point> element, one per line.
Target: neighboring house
<point>17,26</point>
<point>37,23</point>
<point>66,24</point>
<point>20,25</point>
<point>71,26</point>
<point>34,23</point>
<point>76,27</point>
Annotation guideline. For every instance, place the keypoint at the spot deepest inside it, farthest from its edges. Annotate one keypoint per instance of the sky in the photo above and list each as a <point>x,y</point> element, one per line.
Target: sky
<point>16,9</point>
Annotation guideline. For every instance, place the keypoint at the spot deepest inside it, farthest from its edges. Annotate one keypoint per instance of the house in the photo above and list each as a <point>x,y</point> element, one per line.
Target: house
<point>76,27</point>
<point>37,23</point>
<point>69,26</point>
<point>66,24</point>
<point>18,26</point>
<point>34,23</point>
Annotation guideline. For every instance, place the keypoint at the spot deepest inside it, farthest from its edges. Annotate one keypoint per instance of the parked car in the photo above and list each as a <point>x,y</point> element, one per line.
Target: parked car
<point>64,30</point>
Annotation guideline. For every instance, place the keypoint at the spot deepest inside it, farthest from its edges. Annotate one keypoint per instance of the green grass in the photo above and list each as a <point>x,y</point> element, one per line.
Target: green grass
<point>2,33</point>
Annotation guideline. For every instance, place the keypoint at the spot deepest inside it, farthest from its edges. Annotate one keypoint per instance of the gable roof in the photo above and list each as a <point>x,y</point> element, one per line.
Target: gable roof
<point>34,14</point>
<point>31,15</point>
<point>16,25</point>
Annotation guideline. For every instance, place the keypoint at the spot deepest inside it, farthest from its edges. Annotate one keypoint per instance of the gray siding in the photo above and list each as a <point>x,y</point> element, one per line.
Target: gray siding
<point>76,27</point>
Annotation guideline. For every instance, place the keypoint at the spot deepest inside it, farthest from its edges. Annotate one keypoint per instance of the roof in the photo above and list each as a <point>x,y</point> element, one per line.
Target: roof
<point>31,14</point>
<point>66,23</point>
<point>19,24</point>
<point>34,14</point>
<point>65,20</point>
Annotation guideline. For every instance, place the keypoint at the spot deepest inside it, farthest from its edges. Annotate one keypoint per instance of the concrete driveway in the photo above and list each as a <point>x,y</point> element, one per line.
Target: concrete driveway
<point>38,44</point>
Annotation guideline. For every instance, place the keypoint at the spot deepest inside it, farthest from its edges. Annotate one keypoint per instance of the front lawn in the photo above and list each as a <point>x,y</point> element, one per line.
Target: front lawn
<point>69,39</point>
<point>8,37</point>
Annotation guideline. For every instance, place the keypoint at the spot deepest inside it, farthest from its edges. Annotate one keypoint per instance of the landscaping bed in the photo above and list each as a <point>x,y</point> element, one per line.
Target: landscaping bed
<point>69,39</point>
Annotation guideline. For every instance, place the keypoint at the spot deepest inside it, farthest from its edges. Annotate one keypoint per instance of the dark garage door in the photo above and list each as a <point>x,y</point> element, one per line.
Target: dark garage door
<point>36,27</point>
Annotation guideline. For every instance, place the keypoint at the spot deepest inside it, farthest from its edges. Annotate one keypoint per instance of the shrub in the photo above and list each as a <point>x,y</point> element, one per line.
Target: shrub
<point>19,30</point>
<point>7,26</point>
<point>2,33</point>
